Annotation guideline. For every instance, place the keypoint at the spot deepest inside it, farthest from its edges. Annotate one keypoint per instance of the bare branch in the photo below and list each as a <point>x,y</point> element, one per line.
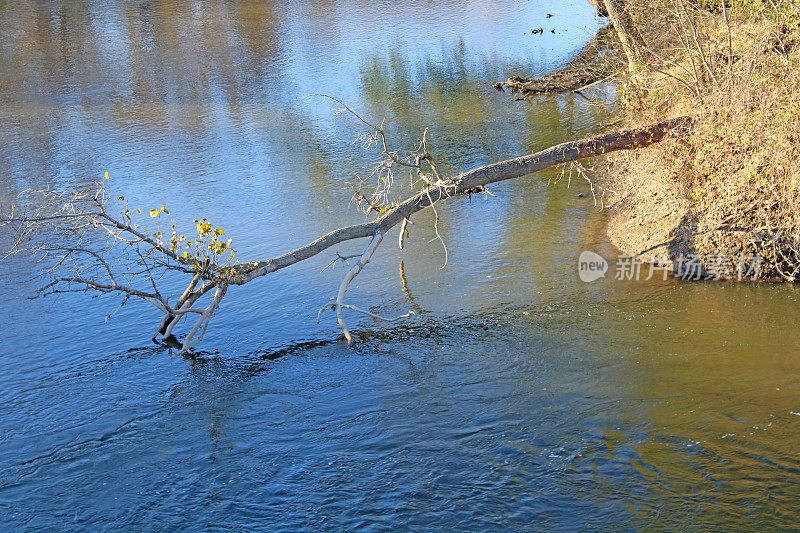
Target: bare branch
<point>364,312</point>
<point>360,264</point>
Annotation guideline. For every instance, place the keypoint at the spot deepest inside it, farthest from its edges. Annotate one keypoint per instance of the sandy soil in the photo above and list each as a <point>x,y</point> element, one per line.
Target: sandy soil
<point>650,213</point>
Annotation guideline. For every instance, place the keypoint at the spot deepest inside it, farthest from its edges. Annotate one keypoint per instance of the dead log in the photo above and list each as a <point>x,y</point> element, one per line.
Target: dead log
<point>496,172</point>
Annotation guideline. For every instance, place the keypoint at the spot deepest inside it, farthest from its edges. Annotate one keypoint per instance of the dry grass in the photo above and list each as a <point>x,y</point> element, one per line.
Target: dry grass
<point>738,76</point>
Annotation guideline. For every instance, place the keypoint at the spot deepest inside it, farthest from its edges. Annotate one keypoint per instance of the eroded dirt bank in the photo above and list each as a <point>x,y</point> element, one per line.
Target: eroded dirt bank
<point>722,197</point>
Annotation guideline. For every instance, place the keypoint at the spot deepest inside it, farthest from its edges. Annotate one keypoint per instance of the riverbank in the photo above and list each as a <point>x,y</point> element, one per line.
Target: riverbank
<point>723,199</point>
<point>724,196</point>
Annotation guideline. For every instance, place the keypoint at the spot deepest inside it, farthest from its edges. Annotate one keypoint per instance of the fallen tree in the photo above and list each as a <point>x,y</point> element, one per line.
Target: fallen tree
<point>61,229</point>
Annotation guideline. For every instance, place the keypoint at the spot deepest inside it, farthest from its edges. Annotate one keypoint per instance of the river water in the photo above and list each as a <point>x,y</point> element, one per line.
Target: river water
<point>518,398</point>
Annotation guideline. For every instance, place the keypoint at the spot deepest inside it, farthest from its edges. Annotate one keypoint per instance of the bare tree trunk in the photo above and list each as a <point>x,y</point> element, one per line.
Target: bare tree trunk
<point>600,7</point>
<point>633,43</point>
